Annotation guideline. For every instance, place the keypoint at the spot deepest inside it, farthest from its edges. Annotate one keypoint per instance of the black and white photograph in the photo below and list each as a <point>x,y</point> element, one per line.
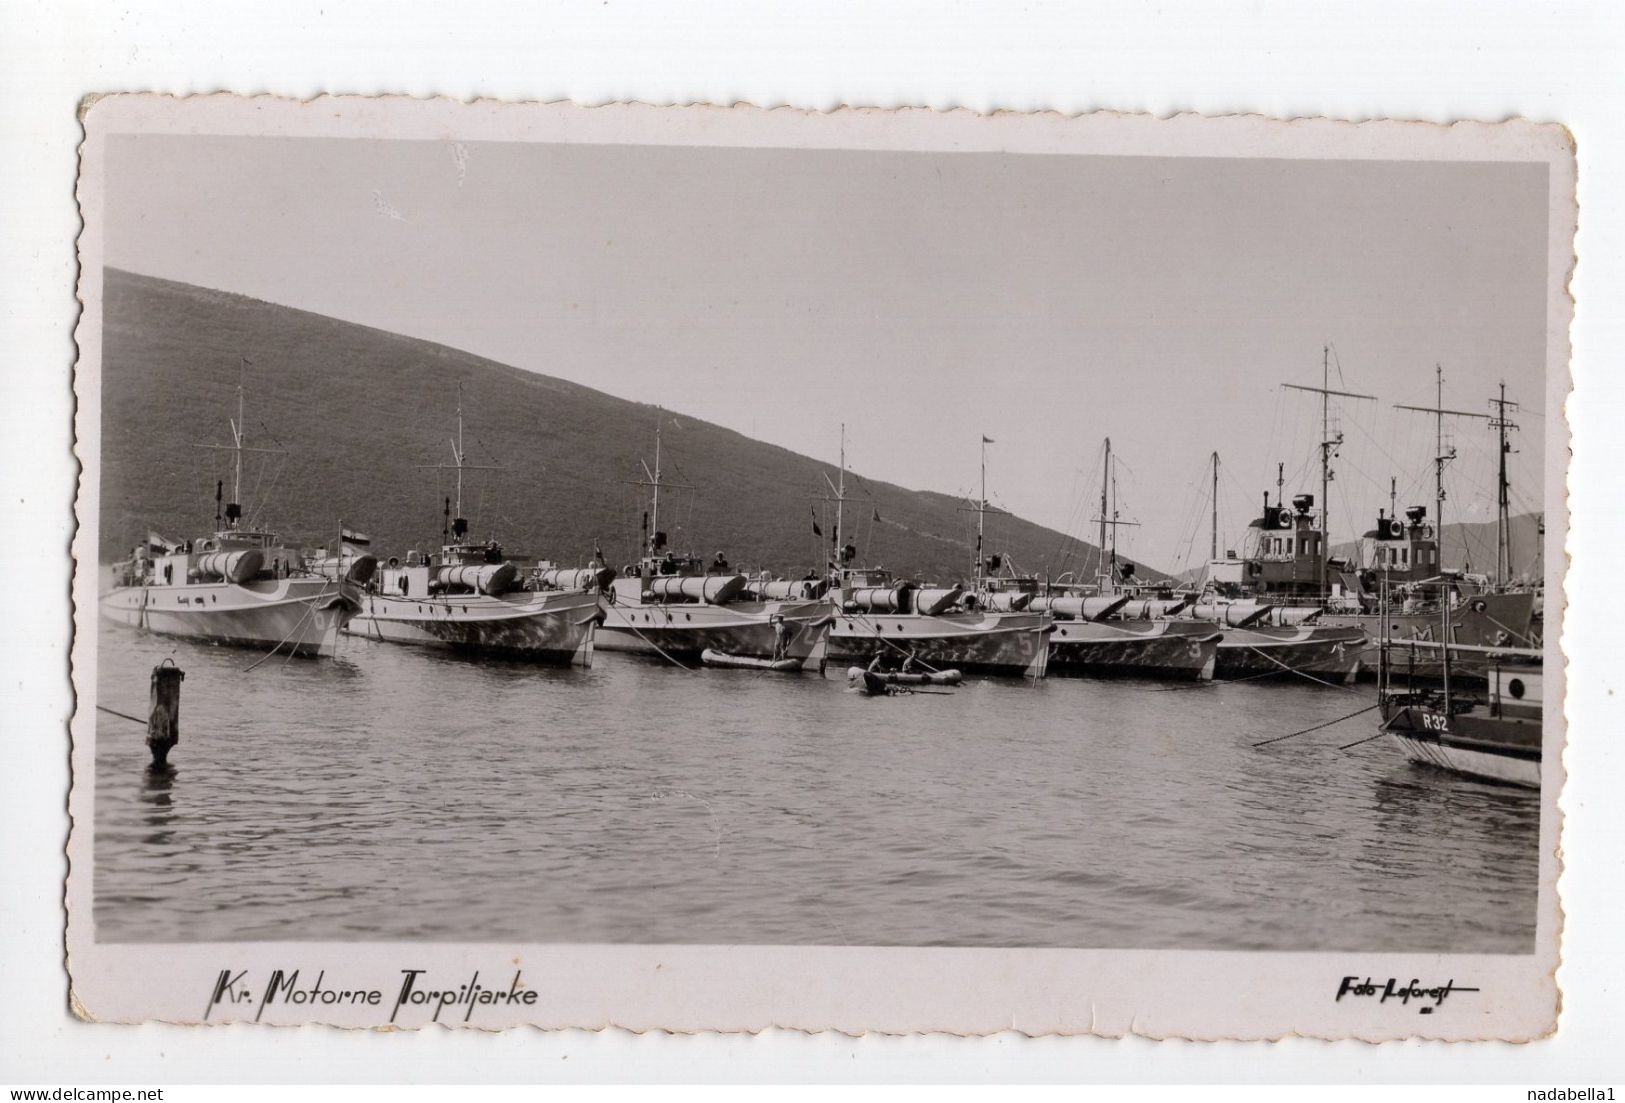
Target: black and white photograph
<point>669,529</point>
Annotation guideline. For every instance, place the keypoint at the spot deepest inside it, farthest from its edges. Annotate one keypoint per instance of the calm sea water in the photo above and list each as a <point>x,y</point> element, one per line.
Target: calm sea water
<point>397,793</point>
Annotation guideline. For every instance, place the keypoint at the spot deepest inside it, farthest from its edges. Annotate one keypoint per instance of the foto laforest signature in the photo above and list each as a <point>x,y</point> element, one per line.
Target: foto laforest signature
<point>1404,993</point>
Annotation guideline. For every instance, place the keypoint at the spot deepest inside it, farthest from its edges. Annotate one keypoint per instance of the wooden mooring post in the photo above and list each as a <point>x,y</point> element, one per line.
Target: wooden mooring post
<point>164,715</point>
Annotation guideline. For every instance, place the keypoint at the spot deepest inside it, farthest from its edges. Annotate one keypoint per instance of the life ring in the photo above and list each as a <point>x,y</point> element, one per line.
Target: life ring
<point>1427,532</point>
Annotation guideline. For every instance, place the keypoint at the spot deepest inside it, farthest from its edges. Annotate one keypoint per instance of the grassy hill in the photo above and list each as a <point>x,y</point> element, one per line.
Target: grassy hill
<point>358,409</point>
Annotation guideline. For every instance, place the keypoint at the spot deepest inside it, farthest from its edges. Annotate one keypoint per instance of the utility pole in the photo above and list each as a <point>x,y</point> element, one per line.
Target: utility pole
<point>1441,454</point>
<point>1503,521</point>
<point>1329,444</point>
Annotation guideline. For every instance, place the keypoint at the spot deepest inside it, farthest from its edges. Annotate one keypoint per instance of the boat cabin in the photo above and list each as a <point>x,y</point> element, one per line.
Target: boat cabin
<point>1401,551</point>
<point>462,568</point>
<point>214,558</point>
<point>1515,693</point>
<point>1282,558</point>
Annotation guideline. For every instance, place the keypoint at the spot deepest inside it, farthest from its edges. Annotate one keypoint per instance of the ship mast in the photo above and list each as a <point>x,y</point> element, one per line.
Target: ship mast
<point>457,449</point>
<point>459,463</point>
<point>981,518</point>
<point>654,512</point>
<point>838,489</point>
<point>1213,532</point>
<point>1107,574</point>
<point>1329,444</point>
<point>653,480</point>
<point>1102,572</point>
<point>981,509</point>
<point>1442,455</point>
<point>237,435</point>
<point>1503,521</point>
<point>239,445</point>
<point>840,496</point>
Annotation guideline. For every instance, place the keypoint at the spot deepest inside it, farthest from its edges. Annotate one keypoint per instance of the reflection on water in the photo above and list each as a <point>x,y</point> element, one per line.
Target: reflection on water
<point>405,794</point>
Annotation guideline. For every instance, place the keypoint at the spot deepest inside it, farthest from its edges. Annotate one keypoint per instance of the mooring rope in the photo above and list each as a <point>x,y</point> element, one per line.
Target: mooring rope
<point>1317,727</point>
<point>1299,673</point>
<point>122,715</point>
<point>310,610</point>
<point>654,645</point>
<point>1358,742</point>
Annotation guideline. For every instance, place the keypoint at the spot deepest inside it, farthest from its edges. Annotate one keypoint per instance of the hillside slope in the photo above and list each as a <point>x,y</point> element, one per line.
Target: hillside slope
<point>358,410</point>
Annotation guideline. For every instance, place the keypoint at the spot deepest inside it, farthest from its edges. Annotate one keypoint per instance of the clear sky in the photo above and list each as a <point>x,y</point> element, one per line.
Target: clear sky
<point>923,299</point>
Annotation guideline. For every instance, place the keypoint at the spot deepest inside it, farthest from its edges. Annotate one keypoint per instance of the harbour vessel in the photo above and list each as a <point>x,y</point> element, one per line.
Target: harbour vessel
<point>682,607</point>
<point>882,616</point>
<point>1284,576</point>
<point>469,597</point>
<point>241,585</point>
<point>1117,629</point>
<point>1493,733</point>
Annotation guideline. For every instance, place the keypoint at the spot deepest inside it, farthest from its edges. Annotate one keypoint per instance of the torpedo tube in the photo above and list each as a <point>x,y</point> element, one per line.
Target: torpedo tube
<point>1007,602</point>
<point>234,566</point>
<point>710,589</point>
<point>491,579</point>
<point>576,578</point>
<point>934,602</point>
<point>882,599</point>
<point>806,589</point>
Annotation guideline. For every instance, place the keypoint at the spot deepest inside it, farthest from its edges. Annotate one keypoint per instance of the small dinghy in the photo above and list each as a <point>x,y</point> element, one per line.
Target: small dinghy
<point>905,678</point>
<point>712,657</point>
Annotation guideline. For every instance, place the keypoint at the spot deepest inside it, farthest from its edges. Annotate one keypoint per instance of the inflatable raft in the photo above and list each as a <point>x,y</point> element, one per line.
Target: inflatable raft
<point>712,657</point>
<point>902,678</point>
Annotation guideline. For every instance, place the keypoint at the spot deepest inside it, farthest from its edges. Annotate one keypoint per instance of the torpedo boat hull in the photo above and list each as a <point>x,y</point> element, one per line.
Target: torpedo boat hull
<point>300,615</point>
<point>999,643</point>
<point>554,627</point>
<point>1169,649</point>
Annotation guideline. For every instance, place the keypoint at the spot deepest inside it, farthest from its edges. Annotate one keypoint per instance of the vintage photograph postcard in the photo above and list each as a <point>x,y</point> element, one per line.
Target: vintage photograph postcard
<point>707,568</point>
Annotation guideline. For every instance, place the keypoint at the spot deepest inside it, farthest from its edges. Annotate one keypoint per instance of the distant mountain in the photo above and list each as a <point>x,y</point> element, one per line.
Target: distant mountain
<point>358,410</point>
